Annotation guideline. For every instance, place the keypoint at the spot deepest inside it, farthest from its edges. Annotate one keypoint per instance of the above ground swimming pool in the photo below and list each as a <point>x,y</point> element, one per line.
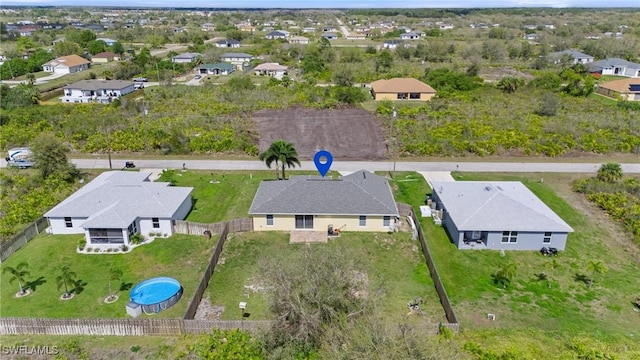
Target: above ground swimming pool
<point>154,295</point>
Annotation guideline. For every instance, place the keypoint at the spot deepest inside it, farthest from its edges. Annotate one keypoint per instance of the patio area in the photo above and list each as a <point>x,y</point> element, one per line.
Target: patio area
<point>306,236</point>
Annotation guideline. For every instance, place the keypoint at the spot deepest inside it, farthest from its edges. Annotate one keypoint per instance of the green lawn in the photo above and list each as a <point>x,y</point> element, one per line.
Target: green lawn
<point>394,262</point>
<point>568,306</point>
<point>181,257</point>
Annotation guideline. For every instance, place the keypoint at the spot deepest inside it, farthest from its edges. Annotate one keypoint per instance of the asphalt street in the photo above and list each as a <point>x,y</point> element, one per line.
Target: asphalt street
<point>103,163</point>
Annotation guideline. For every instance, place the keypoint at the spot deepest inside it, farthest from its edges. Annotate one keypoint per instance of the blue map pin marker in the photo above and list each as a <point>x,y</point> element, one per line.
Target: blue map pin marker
<point>323,167</point>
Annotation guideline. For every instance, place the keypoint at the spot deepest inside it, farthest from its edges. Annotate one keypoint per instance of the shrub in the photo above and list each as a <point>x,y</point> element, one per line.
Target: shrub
<point>89,249</point>
<point>82,243</point>
<point>124,248</point>
<point>96,250</point>
<point>109,250</point>
<point>136,238</point>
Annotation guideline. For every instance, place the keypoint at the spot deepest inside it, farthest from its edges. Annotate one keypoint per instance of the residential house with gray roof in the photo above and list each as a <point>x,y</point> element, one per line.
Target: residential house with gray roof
<point>499,215</point>
<point>576,57</point>
<point>215,69</point>
<point>101,91</point>
<point>238,60</point>
<point>615,66</point>
<point>361,201</point>
<point>118,204</point>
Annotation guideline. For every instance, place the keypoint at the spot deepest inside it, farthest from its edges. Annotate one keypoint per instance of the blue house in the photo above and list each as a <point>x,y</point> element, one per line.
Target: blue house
<point>498,215</point>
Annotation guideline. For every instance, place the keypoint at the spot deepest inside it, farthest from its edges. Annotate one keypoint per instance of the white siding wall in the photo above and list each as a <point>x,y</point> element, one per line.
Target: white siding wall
<point>58,226</point>
<point>146,226</point>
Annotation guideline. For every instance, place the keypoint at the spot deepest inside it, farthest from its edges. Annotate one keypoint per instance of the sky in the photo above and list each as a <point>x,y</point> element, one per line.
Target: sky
<point>334,3</point>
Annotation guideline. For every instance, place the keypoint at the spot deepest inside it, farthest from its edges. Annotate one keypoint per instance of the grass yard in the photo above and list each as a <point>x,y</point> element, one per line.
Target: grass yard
<point>181,257</point>
<point>562,305</point>
<point>392,261</point>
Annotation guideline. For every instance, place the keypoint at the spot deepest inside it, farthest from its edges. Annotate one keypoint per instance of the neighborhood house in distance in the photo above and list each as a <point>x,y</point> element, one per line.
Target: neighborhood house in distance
<point>499,215</point>
<point>361,201</point>
<point>118,204</point>
<point>401,89</point>
<point>66,65</point>
<point>102,91</point>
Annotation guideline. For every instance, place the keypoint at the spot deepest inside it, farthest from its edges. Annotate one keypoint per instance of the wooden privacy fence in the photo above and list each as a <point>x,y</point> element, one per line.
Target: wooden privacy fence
<point>204,281</point>
<point>192,228</point>
<point>120,327</point>
<point>24,236</point>
<point>442,293</point>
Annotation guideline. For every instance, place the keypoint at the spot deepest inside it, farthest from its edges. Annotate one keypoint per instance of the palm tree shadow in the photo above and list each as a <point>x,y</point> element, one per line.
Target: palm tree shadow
<point>125,286</point>
<point>582,278</point>
<point>500,280</point>
<point>541,277</point>
<point>78,286</point>
<point>32,285</point>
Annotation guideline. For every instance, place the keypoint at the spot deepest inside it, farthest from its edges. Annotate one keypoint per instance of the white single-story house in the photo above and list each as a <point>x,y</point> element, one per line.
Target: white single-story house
<point>118,204</point>
<point>393,44</point>
<point>411,35</point>
<point>615,66</point>
<point>215,69</point>
<point>186,57</point>
<point>299,40</point>
<point>238,60</point>
<point>102,91</point>
<point>498,215</point>
<point>361,201</point>
<point>66,64</point>
<point>228,43</point>
<point>577,57</point>
<point>271,69</point>
<point>108,41</point>
<point>330,36</point>
<point>279,34</point>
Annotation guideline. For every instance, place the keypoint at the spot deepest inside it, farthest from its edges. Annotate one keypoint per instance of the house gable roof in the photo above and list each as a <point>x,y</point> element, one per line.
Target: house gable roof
<point>227,42</point>
<point>68,61</point>
<point>360,193</point>
<point>106,55</point>
<point>236,55</point>
<point>573,53</point>
<point>188,55</point>
<point>496,206</point>
<point>612,62</point>
<point>221,66</point>
<point>115,198</point>
<point>271,66</point>
<point>100,85</point>
<point>396,85</point>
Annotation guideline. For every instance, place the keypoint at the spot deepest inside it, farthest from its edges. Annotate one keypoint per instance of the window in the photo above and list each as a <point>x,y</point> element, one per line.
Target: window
<point>106,236</point>
<point>363,220</point>
<point>414,96</point>
<point>304,221</point>
<point>67,222</point>
<point>547,237</point>
<point>510,237</point>
<point>156,223</point>
<point>386,221</point>
<point>269,220</point>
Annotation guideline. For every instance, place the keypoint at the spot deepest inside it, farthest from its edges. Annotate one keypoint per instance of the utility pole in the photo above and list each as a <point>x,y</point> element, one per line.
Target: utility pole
<point>106,132</point>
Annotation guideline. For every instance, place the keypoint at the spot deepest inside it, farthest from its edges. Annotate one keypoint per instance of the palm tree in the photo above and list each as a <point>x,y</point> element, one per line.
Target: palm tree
<point>66,278</point>
<point>595,266</point>
<point>283,154</point>
<point>506,273</point>
<point>31,77</point>
<point>115,274</point>
<point>610,172</point>
<point>18,273</point>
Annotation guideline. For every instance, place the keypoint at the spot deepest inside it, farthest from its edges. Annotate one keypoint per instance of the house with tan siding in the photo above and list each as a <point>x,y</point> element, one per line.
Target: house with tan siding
<point>66,64</point>
<point>623,89</point>
<point>361,201</point>
<point>401,89</point>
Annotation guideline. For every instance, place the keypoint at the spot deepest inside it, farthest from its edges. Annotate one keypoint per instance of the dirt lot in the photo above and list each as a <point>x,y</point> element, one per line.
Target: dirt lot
<point>349,134</point>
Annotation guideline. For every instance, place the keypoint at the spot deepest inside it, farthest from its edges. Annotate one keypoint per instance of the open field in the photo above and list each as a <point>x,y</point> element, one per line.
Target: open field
<point>180,256</point>
<point>393,262</point>
<point>347,133</point>
<point>561,304</point>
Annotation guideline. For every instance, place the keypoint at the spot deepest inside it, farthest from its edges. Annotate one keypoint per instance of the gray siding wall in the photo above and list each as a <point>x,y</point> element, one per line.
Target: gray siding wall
<point>526,241</point>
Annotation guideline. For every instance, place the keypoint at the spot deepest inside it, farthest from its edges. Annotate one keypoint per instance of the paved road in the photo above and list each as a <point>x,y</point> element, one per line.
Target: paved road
<point>338,165</point>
